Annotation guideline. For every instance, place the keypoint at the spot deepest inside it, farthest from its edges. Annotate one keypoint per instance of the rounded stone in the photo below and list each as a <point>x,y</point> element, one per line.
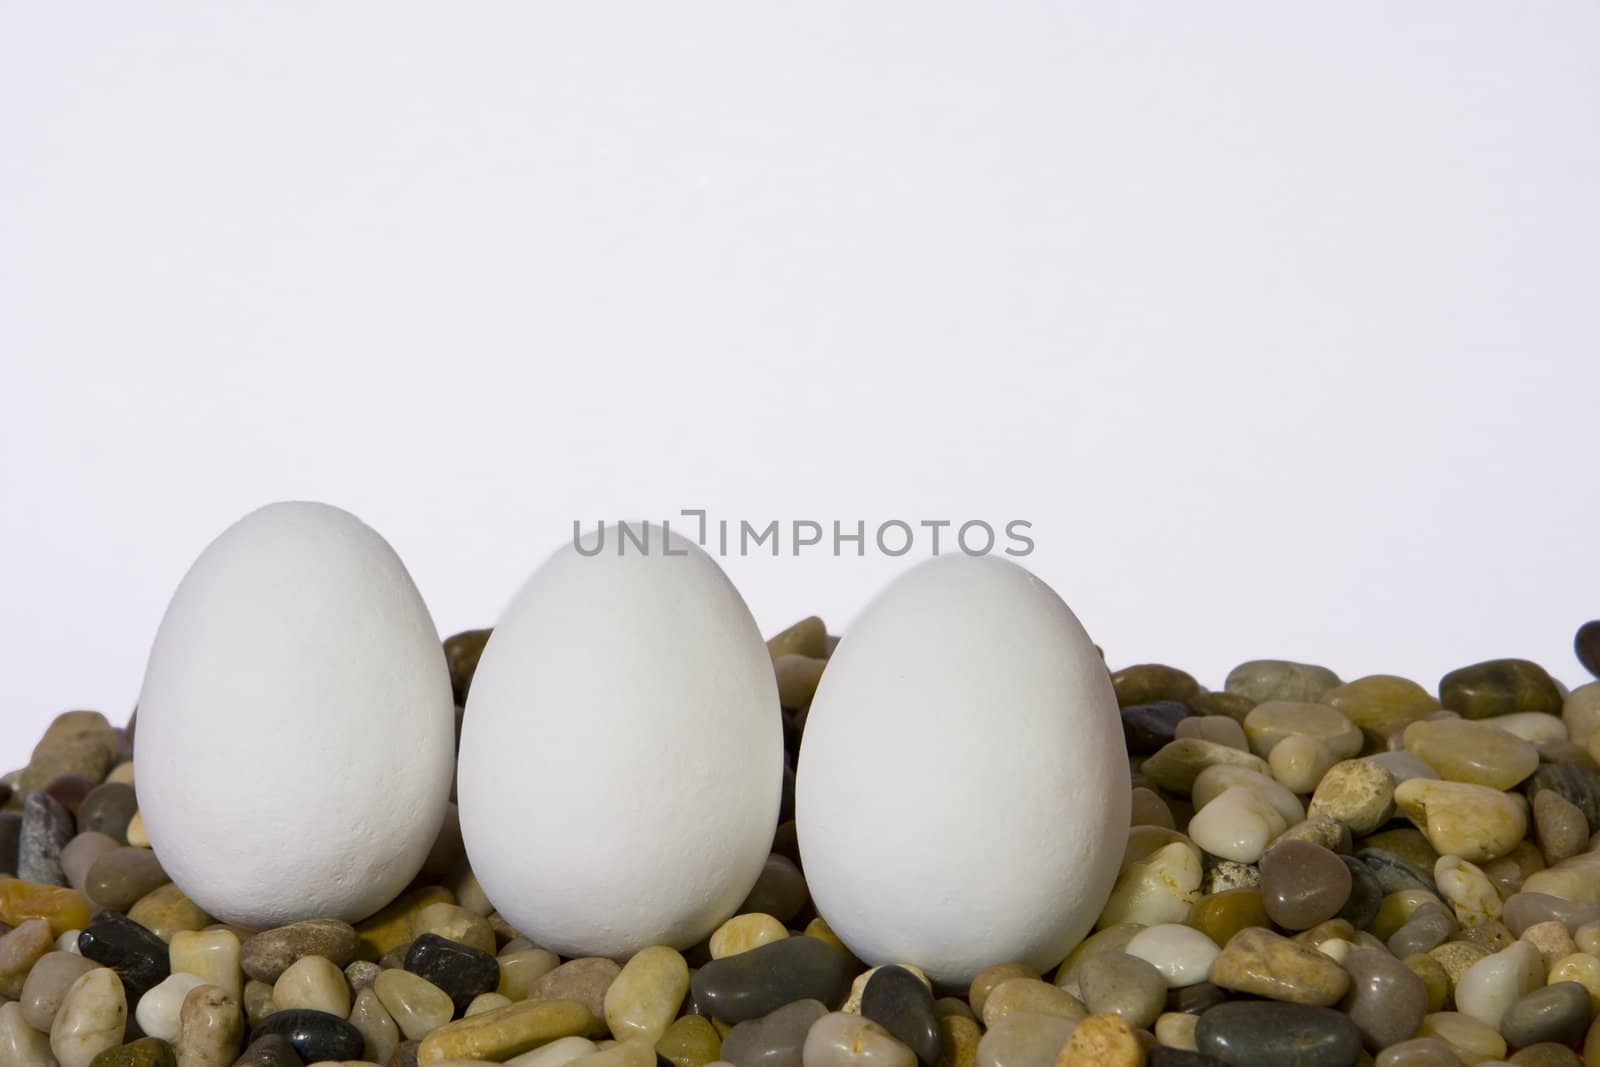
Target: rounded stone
<point>1358,793</point>
<point>1265,1034</point>
<point>92,1018</point>
<point>645,996</point>
<point>1024,1039</point>
<point>47,984</point>
<point>313,982</point>
<point>139,957</point>
<point>777,1039</point>
<point>840,1038</point>
<point>1386,1001</point>
<point>1181,954</point>
<point>902,1004</point>
<point>268,954</point>
<point>107,809</point>
<point>1260,962</point>
<point>1560,1012</point>
<point>1261,680</point>
<point>1120,984</point>
<point>1462,750</point>
<point>754,983</point>
<point>314,1035</point>
<point>122,876</point>
<point>1303,884</point>
<point>1499,687</point>
<point>1102,1041</point>
<point>460,970</point>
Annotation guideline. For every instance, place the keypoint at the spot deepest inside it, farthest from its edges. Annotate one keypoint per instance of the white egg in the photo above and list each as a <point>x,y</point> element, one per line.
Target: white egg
<point>295,734</point>
<point>962,793</point>
<point>622,749</point>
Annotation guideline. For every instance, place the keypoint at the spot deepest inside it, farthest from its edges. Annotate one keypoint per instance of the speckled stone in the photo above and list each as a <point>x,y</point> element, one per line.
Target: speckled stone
<point>1499,687</point>
<point>1265,964</point>
<point>1386,1000</point>
<point>1147,727</point>
<point>46,829</point>
<point>1124,985</point>
<point>1260,680</point>
<point>268,954</point>
<point>1471,821</point>
<point>755,983</point>
<point>1302,884</point>
<point>1560,1013</point>
<point>1147,683</point>
<point>122,876</point>
<point>1102,1041</point>
<point>107,809</point>
<point>902,1004</point>
<point>145,1052</point>
<point>1264,1034</point>
<point>137,956</point>
<point>1358,793</point>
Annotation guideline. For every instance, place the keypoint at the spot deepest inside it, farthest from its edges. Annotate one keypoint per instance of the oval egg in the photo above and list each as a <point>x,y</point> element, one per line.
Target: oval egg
<point>295,739</point>
<point>622,749</point>
<point>962,794</point>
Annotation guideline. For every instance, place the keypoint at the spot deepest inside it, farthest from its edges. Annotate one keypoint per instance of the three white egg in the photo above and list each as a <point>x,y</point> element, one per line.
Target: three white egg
<point>962,790</point>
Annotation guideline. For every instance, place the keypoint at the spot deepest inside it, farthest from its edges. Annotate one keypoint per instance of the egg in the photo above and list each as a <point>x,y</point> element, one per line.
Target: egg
<point>962,792</point>
<point>622,748</point>
<point>296,726</point>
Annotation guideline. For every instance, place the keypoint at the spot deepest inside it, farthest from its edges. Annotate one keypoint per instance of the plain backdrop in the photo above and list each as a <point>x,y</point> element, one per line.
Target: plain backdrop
<point>1277,321</point>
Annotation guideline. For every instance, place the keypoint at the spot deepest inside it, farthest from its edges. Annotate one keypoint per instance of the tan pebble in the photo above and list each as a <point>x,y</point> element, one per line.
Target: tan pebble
<point>1472,1040</point>
<point>646,994</point>
<point>586,980</point>
<point>1396,909</point>
<point>1467,890</point>
<point>1381,704</point>
<point>415,1004</point>
<point>1175,1029</point>
<point>745,932</point>
<point>257,1001</point>
<point>1030,995</point>
<point>455,923</point>
<point>1300,761</point>
<point>471,897</point>
<point>1112,938</point>
<point>136,835</point>
<point>122,772</point>
<point>1177,764</point>
<point>691,1041</point>
<point>91,1019</point>
<point>166,911</point>
<point>958,1041</point>
<point>1148,809</point>
<point>1023,1039</point>
<point>1271,721</point>
<point>20,1044</point>
<point>1456,957</point>
<point>989,977</point>
<point>47,986</point>
<point>1551,939</point>
<point>499,1035</point>
<point>852,1002</point>
<point>378,1030</point>
<point>312,982</point>
<point>1511,870</point>
<point>1101,1041</point>
<point>1358,793</point>
<point>520,969</point>
<point>1474,822</point>
<point>1464,750</point>
<point>1218,729</point>
<point>1258,961</point>
<point>808,637</point>
<point>1419,1052</point>
<point>486,1002</point>
<point>210,1028</point>
<point>632,1052</point>
<point>209,954</point>
<point>20,949</point>
<point>391,926</point>
<point>797,678</point>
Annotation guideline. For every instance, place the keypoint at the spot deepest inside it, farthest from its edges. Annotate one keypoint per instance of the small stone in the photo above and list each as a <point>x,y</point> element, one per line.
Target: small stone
<point>1237,825</point>
<point>145,1052</point>
<point>166,911</point>
<point>754,983</point>
<point>138,956</point>
<point>1148,809</point>
<point>379,1032</point>
<point>1147,727</point>
<point>1221,705</point>
<point>1471,821</point>
<point>257,1002</point>
<point>392,925</point>
<point>455,923</point>
<point>797,678</point>
<point>902,1004</point>
<point>1120,984</point>
<point>271,1050</point>
<point>1366,894</point>
<point>1396,873</point>
<point>1034,996</point>
<point>1358,793</point>
<point>210,1028</point>
<point>1224,875</point>
<point>1215,728</point>
<point>1579,785</point>
<point>92,1018</point>
<point>692,1041</point>
<point>268,954</point>
<point>158,1010</point>
<point>645,996</point>
<point>1473,1041</point>
<point>1499,687</point>
<point>77,742</point>
<point>780,890</point>
<point>460,970</point>
<point>1331,834</point>
<point>990,978</point>
<point>1382,704</point>
<point>20,1044</point>
<point>585,980</point>
<point>1546,1054</point>
<point>1580,967</point>
<point>314,1035</point>
<point>1178,763</point>
<point>1420,1052</point>
<point>461,653</point>
<point>1559,1012</point>
<point>136,835</point>
<point>1181,954</point>
<point>1101,1041</point>
<point>1261,680</point>
<point>47,984</point>
<point>80,855</point>
<point>209,954</point>
<point>1215,780</point>
<point>1427,928</point>
<point>1175,1029</point>
<point>20,950</point>
<point>1302,884</point>
<point>1023,1039</point>
<point>1150,682</point>
<point>1462,750</point>
<point>1580,712</point>
<point>1490,986</point>
<point>361,974</point>
<point>1467,890</point>
<point>1535,727</point>
<point>1270,722</point>
<point>1402,764</point>
<point>1263,963</point>
<point>1257,1034</point>
<point>417,1006</point>
<point>46,829</point>
<point>562,1051</point>
<point>1300,761</point>
<point>519,971</point>
<point>312,982</point>
<point>485,1002</point>
<point>808,637</point>
<point>1560,826</point>
<point>1221,915</point>
<point>1386,1000</point>
<point>500,1035</point>
<point>108,809</point>
<point>842,1038</point>
<point>121,876</point>
<point>744,932</point>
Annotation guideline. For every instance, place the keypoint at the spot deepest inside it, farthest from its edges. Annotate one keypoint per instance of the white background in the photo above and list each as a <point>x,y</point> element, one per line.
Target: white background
<point>1278,321</point>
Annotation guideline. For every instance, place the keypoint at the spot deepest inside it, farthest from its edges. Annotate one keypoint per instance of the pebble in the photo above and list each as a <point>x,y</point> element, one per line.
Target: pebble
<point>1270,722</point>
<point>378,1030</point>
<point>121,876</point>
<point>312,982</point>
<point>645,996</point>
<point>1175,1029</point>
<point>774,1040</point>
<point>107,809</point>
<point>46,829</point>
<point>257,1001</point>
<point>988,979</point>
<point>136,834</point>
<point>210,1028</point>
<point>210,954</point>
<point>902,1004</point>
<point>1265,964</point>
<point>1546,1054</point>
<point>416,1005</point>
<point>1522,910</point>
<point>1303,884</point>
<point>20,1044</point>
<point>1386,1000</point>
<point>1427,928</point>
<point>1035,997</point>
<point>1559,826</point>
<point>1179,763</point>
<point>1120,984</point>
<point>1219,705</point>
<point>744,932</point>
<point>145,1052</point>
<point>1217,728</point>
<point>1536,727</point>
<point>268,954</point>
<point>780,890</point>
<point>1358,793</point>
<point>361,974</point>
<point>1472,1040</point>
<point>138,956</point>
<point>1560,1012</point>
<point>1402,765</point>
<point>1237,825</point>
<point>1366,894</point>
<point>76,742</point>
<point>519,970</point>
<point>507,1032</point>
<point>1221,915</point>
<point>1300,761</point>
<point>92,1018</point>
<point>1467,890</point>
<point>1490,986</point>
<point>80,854</point>
<point>1420,1052</point>
<point>562,1050</point>
<point>1147,727</point>
<point>460,970</point>
<point>1381,704</point>
<point>271,1050</point>
<point>1147,683</point>
<point>1499,687</point>
<point>1024,1039</point>
<point>1181,954</point>
<point>1261,680</point>
<point>166,911</point>
<point>1461,750</point>
<point>1396,873</point>
<point>1320,830</point>
<point>47,984</point>
<point>1579,785</point>
<point>754,983</point>
<point>1257,1034</point>
<point>314,1035</point>
<point>392,926</point>
<point>157,1011</point>
<point>1101,1041</point>
<point>20,949</point>
<point>1148,809</point>
<point>461,653</point>
<point>585,980</point>
<point>456,923</point>
<point>1580,967</point>
<point>1474,822</point>
<point>10,837</point>
<point>1580,712</point>
<point>1214,780</point>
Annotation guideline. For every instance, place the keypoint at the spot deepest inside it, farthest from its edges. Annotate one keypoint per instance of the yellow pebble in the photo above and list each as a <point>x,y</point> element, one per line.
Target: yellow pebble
<point>690,1042</point>
<point>312,982</point>
<point>65,909</point>
<point>1473,1041</point>
<point>646,994</point>
<point>819,929</point>
<point>391,927</point>
<point>485,1002</point>
<point>745,932</point>
<point>1175,1029</point>
<point>520,970</point>
<point>1030,994</point>
<point>1583,968</point>
<point>136,835</point>
<point>212,955</point>
<point>506,1032</point>
<point>958,1041</point>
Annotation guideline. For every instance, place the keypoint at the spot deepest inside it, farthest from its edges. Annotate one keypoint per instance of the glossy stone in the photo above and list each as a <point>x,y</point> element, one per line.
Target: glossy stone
<point>1237,825</point>
<point>46,829</point>
<point>415,1004</point>
<point>1216,728</point>
<point>314,1035</point>
<point>108,809</point>
<point>1461,750</point>
<point>138,956</point>
<point>1270,722</point>
<point>210,1028</point>
<point>1260,680</point>
<point>80,855</point>
<point>1024,1039</point>
<point>313,982</point>
<point>268,954</point>
<point>1178,763</point>
<point>1366,894</point>
<point>76,742</point>
<point>377,1026</point>
<point>506,1032</point>
<point>520,969</point>
<point>744,932</point>
<point>1302,884</point>
<point>461,971</point>
<point>1560,1012</point>
<point>780,890</point>
<point>20,950</point>
<point>1429,926</point>
<point>120,877</point>
<point>157,1012</point>
<point>20,1044</point>
<point>1474,822</point>
<point>1261,1034</point>
<point>645,996</point>
<point>990,978</point>
<point>145,1052</point>
<point>586,980</point>
<point>1386,1001</point>
<point>1221,915</point>
<point>1147,727</point>
<point>692,1041</point>
<point>1123,985</point>
<point>1487,989</point>
<point>1578,785</point>
<point>754,983</point>
<point>840,1038</point>
<point>1147,683</point>
<point>209,954</point>
<point>47,984</point>
<point>1102,1041</point>
<point>92,1018</point>
<point>1499,687</point>
<point>1300,761</point>
<point>65,909</point>
<point>1265,964</point>
<point>166,911</point>
<point>270,1050</point>
<point>901,1003</point>
<point>1182,955</point>
<point>774,1040</point>
<point>461,653</point>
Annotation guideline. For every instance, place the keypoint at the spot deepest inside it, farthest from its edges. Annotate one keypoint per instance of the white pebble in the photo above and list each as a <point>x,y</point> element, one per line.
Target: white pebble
<point>1181,953</point>
<point>1212,781</point>
<point>1489,987</point>
<point>1535,727</point>
<point>1237,825</point>
<point>561,1051</point>
<point>157,1013</point>
<point>68,942</point>
<point>1299,761</point>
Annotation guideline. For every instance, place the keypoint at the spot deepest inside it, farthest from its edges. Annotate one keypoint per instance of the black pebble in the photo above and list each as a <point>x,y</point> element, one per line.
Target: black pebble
<point>270,1050</point>
<point>1196,999</point>
<point>751,984</point>
<point>10,837</point>
<point>897,1000</point>
<point>1587,645</point>
<point>1273,1034</point>
<point>1146,727</point>
<point>1163,1056</point>
<point>460,970</point>
<point>315,1035</point>
<point>138,956</point>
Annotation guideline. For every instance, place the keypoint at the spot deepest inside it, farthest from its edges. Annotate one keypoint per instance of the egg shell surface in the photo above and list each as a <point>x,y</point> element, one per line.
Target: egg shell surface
<point>962,793</point>
<point>621,750</point>
<point>296,726</point>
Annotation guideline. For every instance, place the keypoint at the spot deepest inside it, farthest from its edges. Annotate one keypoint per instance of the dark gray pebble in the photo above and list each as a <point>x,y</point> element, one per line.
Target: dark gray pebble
<point>780,891</point>
<point>896,1000</point>
<point>762,980</point>
<point>774,1040</point>
<point>460,970</point>
<point>1559,1012</point>
<point>1146,727</point>
<point>1394,874</point>
<point>138,956</point>
<point>1266,1033</point>
<point>269,1050</point>
<point>108,808</point>
<point>1577,784</point>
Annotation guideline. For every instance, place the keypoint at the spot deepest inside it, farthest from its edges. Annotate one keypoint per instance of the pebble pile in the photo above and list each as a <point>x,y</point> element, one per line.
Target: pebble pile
<point>1320,872</point>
